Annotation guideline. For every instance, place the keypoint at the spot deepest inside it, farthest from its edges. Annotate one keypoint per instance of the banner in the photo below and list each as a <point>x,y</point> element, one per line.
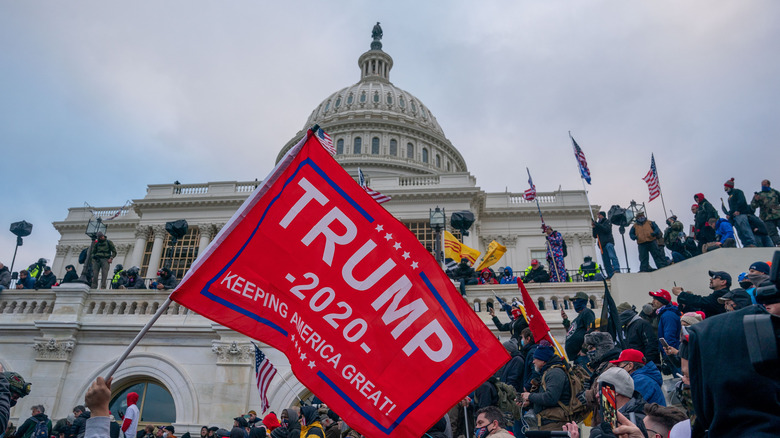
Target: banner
<point>455,250</point>
<point>314,267</point>
<point>493,254</point>
<point>536,321</point>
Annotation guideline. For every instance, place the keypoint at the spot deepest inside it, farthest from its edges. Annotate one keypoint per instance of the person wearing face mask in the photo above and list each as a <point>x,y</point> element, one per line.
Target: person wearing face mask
<point>757,274</point>
<point>130,422</point>
<point>553,391</point>
<point>490,421</point>
<point>768,201</point>
<point>583,323</point>
<point>310,423</point>
<point>646,233</point>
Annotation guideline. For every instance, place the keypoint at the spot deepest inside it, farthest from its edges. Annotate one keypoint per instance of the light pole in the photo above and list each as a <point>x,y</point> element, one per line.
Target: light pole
<point>20,229</point>
<point>177,230</point>
<point>438,219</point>
<point>93,228</point>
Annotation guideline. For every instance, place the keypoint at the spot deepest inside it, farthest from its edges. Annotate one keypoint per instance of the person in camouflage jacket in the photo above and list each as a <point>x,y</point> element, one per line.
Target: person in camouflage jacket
<point>768,200</point>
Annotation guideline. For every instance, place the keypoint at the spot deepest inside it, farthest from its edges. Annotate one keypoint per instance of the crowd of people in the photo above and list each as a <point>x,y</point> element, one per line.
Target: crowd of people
<point>102,252</point>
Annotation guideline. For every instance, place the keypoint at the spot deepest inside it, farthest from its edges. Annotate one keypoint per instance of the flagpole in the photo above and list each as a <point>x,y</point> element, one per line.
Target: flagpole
<point>660,192</point>
<point>546,238</point>
<point>138,337</point>
<point>291,388</point>
<point>596,244</point>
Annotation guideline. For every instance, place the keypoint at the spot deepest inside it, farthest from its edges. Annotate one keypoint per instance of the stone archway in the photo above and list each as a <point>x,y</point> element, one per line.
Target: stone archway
<point>156,367</point>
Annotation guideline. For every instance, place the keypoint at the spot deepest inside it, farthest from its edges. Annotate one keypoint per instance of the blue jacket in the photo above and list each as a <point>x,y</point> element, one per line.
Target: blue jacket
<point>28,283</point>
<point>669,326</point>
<point>648,381</point>
<point>507,277</point>
<point>724,230</point>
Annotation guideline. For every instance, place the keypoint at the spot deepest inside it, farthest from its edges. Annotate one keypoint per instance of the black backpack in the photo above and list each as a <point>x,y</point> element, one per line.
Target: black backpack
<point>565,250</point>
<point>83,256</point>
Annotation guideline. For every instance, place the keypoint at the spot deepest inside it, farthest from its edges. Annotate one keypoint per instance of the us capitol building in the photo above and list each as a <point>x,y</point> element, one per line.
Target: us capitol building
<point>190,371</point>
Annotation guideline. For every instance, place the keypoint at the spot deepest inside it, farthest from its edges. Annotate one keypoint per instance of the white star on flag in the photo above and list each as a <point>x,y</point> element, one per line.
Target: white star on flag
<point>380,227</point>
<point>406,255</point>
<point>303,356</point>
<point>397,245</point>
<point>388,236</point>
<point>414,265</point>
<point>312,364</point>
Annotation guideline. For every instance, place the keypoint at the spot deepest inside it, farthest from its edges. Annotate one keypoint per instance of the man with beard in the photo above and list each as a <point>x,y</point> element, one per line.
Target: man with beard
<point>720,283</point>
<point>738,213</point>
<point>646,234</point>
<point>768,200</point>
<point>554,389</point>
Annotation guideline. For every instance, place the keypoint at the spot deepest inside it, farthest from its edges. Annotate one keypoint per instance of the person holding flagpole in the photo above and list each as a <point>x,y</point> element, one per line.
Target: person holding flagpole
<point>555,255</point>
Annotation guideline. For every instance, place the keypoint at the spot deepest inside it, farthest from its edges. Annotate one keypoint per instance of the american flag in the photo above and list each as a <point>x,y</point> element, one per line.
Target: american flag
<point>530,194</point>
<point>325,141</point>
<point>378,197</point>
<point>652,180</point>
<point>581,161</point>
<point>264,373</point>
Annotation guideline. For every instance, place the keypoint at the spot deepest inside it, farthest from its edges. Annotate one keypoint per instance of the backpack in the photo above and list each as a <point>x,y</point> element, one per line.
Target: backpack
<point>83,256</point>
<point>41,430</point>
<point>506,400</point>
<point>576,410</point>
<point>565,250</point>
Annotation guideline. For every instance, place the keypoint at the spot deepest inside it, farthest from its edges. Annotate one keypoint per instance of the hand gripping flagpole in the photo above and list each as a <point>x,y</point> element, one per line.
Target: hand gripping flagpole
<point>547,240</point>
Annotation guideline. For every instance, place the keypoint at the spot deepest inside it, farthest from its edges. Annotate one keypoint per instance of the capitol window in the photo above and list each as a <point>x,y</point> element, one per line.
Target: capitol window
<point>363,97</point>
<point>425,155</point>
<point>357,145</point>
<point>393,147</point>
<point>401,102</point>
<point>448,167</point>
<point>438,160</point>
<point>409,150</point>
<point>422,111</point>
<point>389,99</point>
<point>327,105</point>
<point>376,97</point>
<point>414,108</point>
<point>340,146</point>
<point>375,145</point>
<point>338,102</point>
<point>350,99</point>
<point>155,402</point>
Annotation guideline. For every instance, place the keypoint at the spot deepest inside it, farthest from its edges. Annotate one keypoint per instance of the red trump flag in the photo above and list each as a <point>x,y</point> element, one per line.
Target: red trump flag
<point>314,267</point>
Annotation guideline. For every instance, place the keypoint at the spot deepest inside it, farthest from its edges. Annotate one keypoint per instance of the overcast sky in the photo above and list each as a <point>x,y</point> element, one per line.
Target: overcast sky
<point>99,99</point>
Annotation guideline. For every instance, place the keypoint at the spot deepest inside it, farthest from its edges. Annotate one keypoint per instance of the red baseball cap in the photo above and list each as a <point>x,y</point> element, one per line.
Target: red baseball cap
<point>534,262</point>
<point>629,355</point>
<point>663,294</point>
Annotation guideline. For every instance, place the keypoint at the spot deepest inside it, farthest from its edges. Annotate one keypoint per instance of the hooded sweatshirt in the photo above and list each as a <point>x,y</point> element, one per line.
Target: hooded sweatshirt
<point>130,423</point>
<point>723,230</point>
<point>311,426</point>
<point>508,277</point>
<point>648,381</point>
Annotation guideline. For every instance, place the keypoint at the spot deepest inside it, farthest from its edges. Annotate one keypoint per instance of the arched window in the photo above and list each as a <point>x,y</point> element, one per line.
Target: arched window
<point>340,146</point>
<point>363,97</point>
<point>449,167</point>
<point>375,145</point>
<point>541,303</point>
<point>357,145</point>
<point>438,160</point>
<point>155,403</point>
<point>376,97</point>
<point>425,155</point>
<point>409,150</point>
<point>393,147</point>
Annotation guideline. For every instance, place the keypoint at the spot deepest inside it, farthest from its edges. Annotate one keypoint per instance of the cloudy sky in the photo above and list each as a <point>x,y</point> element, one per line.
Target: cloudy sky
<point>99,99</point>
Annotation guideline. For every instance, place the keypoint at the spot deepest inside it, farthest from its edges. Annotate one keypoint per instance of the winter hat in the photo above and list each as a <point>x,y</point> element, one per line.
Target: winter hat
<point>581,296</point>
<point>694,206</point>
<point>601,213</point>
<point>690,318</point>
<point>729,183</point>
<point>662,295</point>
<point>170,429</point>
<point>241,422</point>
<point>271,422</point>
<point>623,307</point>
<point>602,341</point>
<point>620,379</point>
<point>760,267</point>
<point>698,197</point>
<point>647,309</point>
<point>544,351</point>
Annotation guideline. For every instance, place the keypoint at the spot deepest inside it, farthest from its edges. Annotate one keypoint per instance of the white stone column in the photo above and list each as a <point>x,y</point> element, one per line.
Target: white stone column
<point>157,248</point>
<point>206,232</point>
<point>141,236</point>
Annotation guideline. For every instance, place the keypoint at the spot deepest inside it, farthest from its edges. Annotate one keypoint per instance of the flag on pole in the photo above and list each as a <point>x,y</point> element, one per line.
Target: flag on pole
<point>652,180</point>
<point>581,161</point>
<point>378,197</point>
<point>325,141</point>
<point>610,320</point>
<point>455,250</point>
<point>313,267</point>
<point>530,194</point>
<point>492,255</point>
<point>264,373</point>
<point>536,321</point>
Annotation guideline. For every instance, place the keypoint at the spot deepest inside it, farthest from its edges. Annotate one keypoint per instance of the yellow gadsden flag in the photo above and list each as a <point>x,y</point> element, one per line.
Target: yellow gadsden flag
<point>455,250</point>
<point>492,256</point>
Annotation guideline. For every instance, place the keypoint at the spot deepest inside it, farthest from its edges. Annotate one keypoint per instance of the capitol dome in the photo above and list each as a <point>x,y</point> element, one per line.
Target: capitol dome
<point>381,128</point>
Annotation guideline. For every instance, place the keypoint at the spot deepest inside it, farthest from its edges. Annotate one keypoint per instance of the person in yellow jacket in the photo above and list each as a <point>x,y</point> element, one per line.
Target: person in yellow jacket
<point>310,423</point>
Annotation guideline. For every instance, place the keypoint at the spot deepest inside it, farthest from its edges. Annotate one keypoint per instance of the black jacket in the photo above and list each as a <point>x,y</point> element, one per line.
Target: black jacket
<point>29,425</point>
<point>709,304</point>
<point>46,281</point>
<point>556,382</point>
<point>70,277</point>
<point>5,402</point>
<point>703,214</point>
<point>738,203</point>
<point>640,335</point>
<point>529,372</point>
<point>538,275</point>
<point>169,282</point>
<point>5,278</point>
<point>729,396</point>
<point>80,425</point>
<point>514,327</point>
<point>757,225</point>
<point>603,232</point>
<point>576,331</point>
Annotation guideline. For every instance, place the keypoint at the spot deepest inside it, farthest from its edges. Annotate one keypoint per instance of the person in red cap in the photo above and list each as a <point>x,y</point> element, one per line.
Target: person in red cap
<point>647,378</point>
<point>668,319</point>
<point>536,273</point>
<point>738,213</point>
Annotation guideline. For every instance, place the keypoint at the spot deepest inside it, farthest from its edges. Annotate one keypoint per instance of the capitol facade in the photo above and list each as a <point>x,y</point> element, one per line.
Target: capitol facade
<point>192,372</point>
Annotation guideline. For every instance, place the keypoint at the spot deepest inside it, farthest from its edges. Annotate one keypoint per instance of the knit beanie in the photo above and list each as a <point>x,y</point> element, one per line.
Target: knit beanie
<point>623,307</point>
<point>544,351</point>
<point>690,318</point>
<point>729,183</point>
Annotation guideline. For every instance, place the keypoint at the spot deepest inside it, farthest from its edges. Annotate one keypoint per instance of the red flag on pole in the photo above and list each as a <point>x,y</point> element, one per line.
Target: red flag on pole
<point>536,321</point>
<point>314,267</point>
